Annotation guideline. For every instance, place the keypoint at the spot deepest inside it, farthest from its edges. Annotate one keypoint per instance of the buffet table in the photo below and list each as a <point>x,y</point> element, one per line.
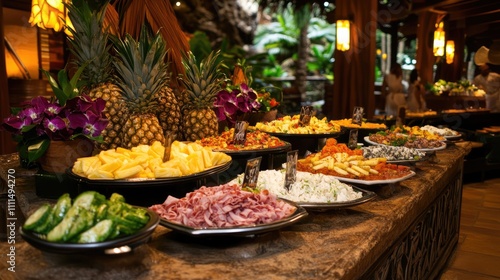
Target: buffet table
<point>408,231</point>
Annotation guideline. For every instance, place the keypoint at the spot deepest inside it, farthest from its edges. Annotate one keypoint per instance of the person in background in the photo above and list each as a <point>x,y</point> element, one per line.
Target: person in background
<point>393,90</point>
<point>416,91</point>
<point>489,80</point>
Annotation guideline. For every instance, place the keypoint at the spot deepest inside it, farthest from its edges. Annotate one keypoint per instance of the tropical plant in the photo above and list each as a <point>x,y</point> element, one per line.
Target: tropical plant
<point>322,60</point>
<point>141,74</point>
<point>66,117</point>
<point>90,46</point>
<point>300,34</point>
<point>129,16</point>
<point>202,82</point>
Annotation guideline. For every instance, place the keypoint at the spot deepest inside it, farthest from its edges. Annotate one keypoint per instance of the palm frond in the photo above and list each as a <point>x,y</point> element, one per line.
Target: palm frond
<point>112,21</point>
<point>160,17</point>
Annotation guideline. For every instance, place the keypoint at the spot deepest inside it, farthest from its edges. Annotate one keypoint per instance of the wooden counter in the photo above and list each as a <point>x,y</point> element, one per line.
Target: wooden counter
<point>408,231</point>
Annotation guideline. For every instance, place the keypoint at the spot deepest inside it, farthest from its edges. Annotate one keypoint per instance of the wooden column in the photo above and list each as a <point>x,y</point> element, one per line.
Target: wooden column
<point>6,143</point>
<point>354,70</point>
<point>453,72</point>
<point>425,37</point>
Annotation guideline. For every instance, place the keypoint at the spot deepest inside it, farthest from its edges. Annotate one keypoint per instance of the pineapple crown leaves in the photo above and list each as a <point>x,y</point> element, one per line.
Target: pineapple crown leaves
<point>141,69</point>
<point>65,89</point>
<point>202,82</point>
<point>89,42</point>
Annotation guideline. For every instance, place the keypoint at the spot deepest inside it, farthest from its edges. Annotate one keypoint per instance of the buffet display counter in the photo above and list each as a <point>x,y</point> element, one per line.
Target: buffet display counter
<point>440,103</point>
<point>408,231</point>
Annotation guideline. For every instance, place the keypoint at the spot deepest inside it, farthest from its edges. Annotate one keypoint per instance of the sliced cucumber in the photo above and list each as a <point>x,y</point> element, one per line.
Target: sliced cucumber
<point>47,225</point>
<point>61,208</point>
<point>90,218</point>
<point>89,198</point>
<point>77,220</point>
<point>59,233</point>
<point>56,215</point>
<point>83,222</point>
<point>38,218</point>
<point>98,233</point>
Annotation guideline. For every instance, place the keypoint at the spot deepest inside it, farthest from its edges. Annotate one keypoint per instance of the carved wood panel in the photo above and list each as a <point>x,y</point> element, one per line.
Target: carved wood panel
<point>425,249</point>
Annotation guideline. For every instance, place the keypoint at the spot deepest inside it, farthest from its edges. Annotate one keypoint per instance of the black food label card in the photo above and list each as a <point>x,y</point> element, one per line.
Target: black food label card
<point>353,139</point>
<point>357,115</point>
<point>240,133</point>
<point>251,173</point>
<point>306,113</point>
<point>291,168</point>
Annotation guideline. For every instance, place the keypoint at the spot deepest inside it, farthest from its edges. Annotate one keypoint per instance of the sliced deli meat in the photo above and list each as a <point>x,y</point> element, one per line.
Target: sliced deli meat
<point>224,206</point>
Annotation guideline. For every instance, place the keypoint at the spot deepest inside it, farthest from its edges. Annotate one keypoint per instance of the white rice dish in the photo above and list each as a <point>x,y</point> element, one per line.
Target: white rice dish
<point>315,188</point>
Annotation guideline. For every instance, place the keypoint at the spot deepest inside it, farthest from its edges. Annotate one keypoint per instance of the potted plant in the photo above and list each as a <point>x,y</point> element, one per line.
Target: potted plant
<point>42,125</point>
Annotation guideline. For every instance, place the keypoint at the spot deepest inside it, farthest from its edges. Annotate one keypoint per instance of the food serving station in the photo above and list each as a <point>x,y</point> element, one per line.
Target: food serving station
<point>409,230</point>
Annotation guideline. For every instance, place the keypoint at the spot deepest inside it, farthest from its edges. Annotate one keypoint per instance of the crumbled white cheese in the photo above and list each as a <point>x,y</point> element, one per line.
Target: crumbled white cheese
<point>392,152</point>
<point>314,188</point>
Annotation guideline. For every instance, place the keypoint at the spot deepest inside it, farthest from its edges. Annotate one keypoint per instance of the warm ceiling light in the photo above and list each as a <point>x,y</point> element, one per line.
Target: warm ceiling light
<point>450,51</point>
<point>48,14</point>
<point>343,35</point>
<point>438,46</point>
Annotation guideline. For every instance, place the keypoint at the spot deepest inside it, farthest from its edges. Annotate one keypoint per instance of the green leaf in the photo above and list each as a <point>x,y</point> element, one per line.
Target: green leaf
<point>27,128</point>
<point>58,92</point>
<point>200,45</point>
<point>74,81</point>
<point>15,110</point>
<point>37,150</point>
<point>62,77</point>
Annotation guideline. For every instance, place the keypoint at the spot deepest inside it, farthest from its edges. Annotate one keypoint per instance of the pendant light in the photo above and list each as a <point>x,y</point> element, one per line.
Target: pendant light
<point>48,14</point>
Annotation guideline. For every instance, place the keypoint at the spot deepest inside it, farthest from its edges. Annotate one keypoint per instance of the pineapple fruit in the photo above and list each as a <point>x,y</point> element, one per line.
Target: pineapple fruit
<point>169,114</point>
<point>142,73</point>
<point>90,46</point>
<point>201,84</point>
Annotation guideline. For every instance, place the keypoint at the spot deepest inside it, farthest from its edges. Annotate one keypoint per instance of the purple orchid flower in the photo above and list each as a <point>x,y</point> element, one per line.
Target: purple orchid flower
<point>78,104</point>
<point>226,105</point>
<point>33,114</point>
<point>52,109</point>
<point>91,123</point>
<point>95,125</point>
<point>56,128</point>
<point>14,124</point>
<point>54,124</point>
<point>241,100</point>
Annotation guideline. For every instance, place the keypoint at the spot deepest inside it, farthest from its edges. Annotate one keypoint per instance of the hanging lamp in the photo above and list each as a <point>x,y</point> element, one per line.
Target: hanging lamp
<point>450,51</point>
<point>49,14</point>
<point>439,43</point>
<point>343,35</point>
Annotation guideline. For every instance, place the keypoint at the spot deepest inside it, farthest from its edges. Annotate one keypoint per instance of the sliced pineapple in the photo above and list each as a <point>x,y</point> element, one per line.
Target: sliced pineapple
<point>144,162</point>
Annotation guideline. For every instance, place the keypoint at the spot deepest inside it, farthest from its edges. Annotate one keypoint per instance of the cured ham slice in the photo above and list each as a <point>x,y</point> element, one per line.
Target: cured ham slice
<point>224,206</point>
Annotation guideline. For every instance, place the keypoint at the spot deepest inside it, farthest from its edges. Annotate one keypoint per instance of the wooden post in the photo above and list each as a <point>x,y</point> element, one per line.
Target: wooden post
<point>6,144</point>
<point>354,71</point>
